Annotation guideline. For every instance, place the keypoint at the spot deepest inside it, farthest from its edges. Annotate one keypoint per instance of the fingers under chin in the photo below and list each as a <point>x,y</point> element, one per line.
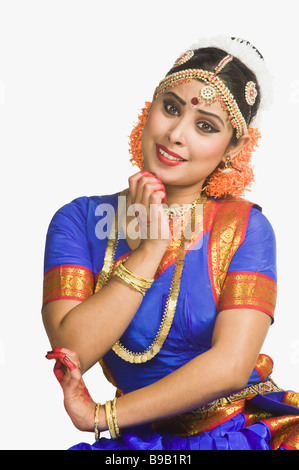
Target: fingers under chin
<point>63,358</point>
<point>69,364</point>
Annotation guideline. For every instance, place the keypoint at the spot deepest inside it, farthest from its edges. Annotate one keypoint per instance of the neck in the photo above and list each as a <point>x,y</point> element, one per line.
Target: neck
<point>182,195</point>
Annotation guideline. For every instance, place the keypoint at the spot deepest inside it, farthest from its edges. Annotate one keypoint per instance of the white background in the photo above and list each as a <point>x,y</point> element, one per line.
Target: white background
<point>73,75</point>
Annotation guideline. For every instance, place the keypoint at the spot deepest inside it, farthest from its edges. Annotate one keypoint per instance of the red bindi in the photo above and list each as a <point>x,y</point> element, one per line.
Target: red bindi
<point>194,101</point>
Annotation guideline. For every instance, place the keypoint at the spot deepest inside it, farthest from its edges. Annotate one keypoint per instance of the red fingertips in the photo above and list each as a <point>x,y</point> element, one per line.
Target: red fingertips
<point>146,173</point>
<point>55,350</point>
<point>160,187</point>
<point>58,372</point>
<point>152,175</point>
<point>62,357</point>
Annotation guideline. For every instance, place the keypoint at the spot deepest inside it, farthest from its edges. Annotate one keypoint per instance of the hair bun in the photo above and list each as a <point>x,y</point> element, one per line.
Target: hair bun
<point>251,57</point>
<point>244,41</point>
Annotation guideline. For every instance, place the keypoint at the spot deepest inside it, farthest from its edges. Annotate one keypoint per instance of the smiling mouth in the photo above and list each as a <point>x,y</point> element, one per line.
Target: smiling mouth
<point>167,157</point>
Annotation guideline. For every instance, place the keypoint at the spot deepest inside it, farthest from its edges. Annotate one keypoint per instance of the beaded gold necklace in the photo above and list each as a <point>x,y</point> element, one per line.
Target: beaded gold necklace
<point>179,210</point>
<point>171,303</point>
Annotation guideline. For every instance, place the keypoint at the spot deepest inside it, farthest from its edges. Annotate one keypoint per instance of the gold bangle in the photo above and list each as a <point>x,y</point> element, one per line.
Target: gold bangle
<point>116,428</point>
<point>109,419</point>
<point>142,281</point>
<point>141,284</point>
<point>96,421</point>
<point>129,282</point>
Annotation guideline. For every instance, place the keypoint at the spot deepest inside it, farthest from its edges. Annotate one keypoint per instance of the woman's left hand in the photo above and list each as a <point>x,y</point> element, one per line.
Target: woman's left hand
<point>77,401</point>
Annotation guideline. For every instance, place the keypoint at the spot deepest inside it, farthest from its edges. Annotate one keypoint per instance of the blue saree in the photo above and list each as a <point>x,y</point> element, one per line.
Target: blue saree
<point>231,263</point>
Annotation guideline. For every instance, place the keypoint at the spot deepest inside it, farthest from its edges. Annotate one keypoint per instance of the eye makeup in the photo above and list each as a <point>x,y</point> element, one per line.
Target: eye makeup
<point>174,104</point>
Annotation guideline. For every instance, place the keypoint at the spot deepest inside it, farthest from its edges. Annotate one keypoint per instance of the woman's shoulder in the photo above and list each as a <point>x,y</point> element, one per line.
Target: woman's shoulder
<point>245,211</point>
<point>258,222</point>
<point>83,205</point>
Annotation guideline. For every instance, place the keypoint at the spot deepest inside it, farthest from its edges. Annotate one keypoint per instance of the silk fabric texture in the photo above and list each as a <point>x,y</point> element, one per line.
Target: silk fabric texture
<point>231,264</point>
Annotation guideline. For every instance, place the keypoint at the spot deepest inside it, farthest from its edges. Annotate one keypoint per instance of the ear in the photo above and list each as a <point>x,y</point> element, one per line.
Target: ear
<point>233,150</point>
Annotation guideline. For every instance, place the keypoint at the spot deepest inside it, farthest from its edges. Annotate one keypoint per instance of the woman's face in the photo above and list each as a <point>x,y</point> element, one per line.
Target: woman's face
<point>183,144</point>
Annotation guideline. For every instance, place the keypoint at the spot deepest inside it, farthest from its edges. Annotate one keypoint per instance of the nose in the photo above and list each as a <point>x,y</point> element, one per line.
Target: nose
<point>176,134</point>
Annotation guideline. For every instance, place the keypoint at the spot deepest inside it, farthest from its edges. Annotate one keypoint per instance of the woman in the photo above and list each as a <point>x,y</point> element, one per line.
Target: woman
<point>176,311</point>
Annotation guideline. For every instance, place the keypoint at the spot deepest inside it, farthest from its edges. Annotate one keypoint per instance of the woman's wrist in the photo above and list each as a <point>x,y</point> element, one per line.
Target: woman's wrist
<point>97,421</point>
<point>102,419</point>
<point>105,419</point>
<point>152,247</point>
<point>145,259</point>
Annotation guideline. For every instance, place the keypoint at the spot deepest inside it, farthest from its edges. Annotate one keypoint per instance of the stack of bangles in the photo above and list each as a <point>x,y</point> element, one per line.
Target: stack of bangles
<point>141,284</point>
<point>110,411</point>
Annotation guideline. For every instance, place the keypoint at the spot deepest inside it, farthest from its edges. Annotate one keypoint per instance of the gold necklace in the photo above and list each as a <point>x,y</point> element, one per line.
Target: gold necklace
<point>179,210</point>
<point>171,303</point>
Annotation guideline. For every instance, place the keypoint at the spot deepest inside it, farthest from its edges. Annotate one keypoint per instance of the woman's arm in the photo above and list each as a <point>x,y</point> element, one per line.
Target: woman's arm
<point>92,327</point>
<point>224,369</point>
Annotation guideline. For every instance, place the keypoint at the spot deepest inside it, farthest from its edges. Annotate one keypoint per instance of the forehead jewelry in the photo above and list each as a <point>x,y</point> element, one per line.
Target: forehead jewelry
<point>208,93</point>
<point>223,63</point>
<point>250,93</point>
<point>184,58</point>
<point>214,89</point>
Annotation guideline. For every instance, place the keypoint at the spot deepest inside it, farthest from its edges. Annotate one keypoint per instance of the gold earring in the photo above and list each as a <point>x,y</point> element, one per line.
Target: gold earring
<point>228,166</point>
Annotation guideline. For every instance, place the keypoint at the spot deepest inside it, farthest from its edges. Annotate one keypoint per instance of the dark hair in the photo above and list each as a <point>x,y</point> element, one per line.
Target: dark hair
<point>235,76</point>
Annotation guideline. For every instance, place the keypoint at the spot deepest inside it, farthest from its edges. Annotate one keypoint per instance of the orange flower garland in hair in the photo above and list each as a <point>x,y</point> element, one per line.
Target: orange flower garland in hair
<point>235,183</point>
<point>218,184</point>
<point>135,137</point>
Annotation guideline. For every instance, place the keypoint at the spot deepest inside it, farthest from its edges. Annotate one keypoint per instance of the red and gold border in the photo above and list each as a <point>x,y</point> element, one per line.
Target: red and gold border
<point>249,290</point>
<point>284,431</point>
<point>264,366</point>
<point>67,281</point>
<point>227,234</point>
<point>192,424</point>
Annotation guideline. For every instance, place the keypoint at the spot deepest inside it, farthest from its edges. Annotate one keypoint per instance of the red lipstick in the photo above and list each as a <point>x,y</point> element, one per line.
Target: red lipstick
<point>161,151</point>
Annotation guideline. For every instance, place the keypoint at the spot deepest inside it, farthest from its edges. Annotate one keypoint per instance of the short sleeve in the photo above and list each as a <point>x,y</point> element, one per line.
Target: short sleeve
<point>251,280</point>
<point>67,263</point>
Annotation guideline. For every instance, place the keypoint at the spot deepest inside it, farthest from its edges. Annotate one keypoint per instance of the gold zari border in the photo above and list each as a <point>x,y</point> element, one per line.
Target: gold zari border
<point>264,366</point>
<point>285,429</point>
<point>67,282</point>
<point>249,290</point>
<point>227,234</point>
<point>213,414</point>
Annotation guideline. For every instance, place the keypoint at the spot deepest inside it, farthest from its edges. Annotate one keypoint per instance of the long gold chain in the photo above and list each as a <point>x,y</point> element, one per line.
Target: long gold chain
<point>171,303</point>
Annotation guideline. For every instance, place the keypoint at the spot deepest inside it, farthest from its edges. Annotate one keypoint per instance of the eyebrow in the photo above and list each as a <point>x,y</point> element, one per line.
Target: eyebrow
<point>211,114</point>
<point>177,97</point>
<point>199,110</point>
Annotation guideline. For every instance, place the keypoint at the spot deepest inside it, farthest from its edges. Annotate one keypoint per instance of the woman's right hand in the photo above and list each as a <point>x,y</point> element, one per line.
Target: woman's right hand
<point>77,401</point>
<point>147,196</point>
